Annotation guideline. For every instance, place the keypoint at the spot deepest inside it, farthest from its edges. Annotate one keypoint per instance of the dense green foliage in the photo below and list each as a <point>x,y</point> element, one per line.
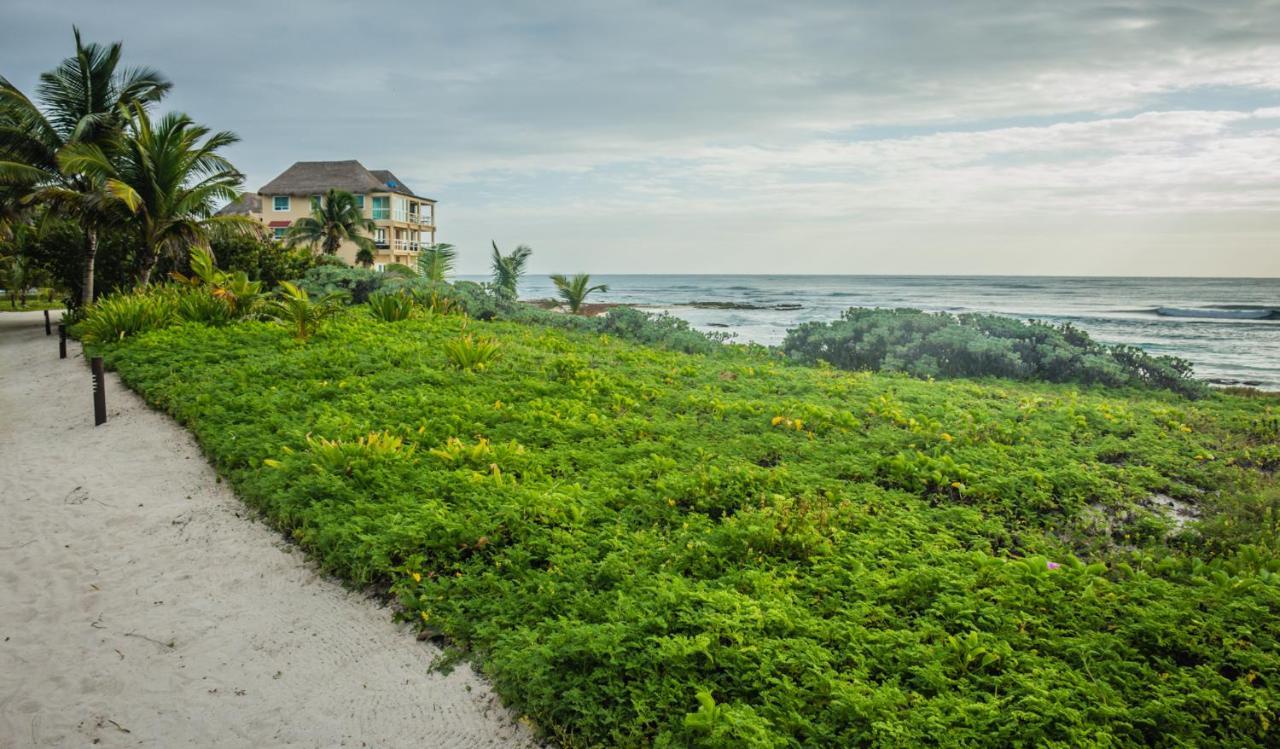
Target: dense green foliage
<point>262,259</point>
<point>645,547</point>
<point>942,345</point>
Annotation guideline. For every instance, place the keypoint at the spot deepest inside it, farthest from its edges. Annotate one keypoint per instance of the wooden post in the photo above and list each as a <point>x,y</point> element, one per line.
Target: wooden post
<point>62,341</point>
<point>99,392</point>
<point>47,329</point>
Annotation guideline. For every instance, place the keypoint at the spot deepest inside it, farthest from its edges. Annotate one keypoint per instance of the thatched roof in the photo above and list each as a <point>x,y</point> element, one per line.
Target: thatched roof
<point>315,177</point>
<point>247,204</point>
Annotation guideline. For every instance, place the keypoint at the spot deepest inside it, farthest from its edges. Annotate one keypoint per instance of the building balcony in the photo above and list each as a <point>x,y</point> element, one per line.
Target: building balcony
<point>405,245</point>
<point>407,217</point>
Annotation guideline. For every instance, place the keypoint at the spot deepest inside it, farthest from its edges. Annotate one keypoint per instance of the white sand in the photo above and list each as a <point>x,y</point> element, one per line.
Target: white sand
<point>142,605</point>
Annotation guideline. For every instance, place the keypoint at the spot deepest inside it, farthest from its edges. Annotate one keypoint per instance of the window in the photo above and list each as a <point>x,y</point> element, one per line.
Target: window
<point>279,232</point>
<point>280,203</point>
<point>359,201</point>
<point>381,207</point>
<point>315,202</point>
<point>380,237</point>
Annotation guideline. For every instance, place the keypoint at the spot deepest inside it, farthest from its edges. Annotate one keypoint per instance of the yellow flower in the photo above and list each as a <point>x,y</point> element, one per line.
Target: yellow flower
<point>271,463</point>
<point>417,577</point>
<point>424,616</point>
<point>777,420</point>
<point>957,485</point>
<point>946,437</point>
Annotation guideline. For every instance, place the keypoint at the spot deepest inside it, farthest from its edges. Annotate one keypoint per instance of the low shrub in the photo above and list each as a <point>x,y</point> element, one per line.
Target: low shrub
<point>470,353</point>
<point>357,284</point>
<point>200,306</point>
<point>391,307</point>
<point>123,315</point>
<point>302,315</point>
<point>925,344</point>
<point>661,330</point>
<point>399,269</point>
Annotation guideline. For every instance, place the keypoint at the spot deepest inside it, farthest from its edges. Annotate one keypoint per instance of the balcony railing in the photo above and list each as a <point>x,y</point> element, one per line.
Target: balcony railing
<point>408,217</point>
<point>406,245</point>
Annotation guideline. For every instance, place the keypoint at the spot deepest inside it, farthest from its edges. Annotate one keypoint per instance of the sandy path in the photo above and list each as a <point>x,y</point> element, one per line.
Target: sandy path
<point>140,606</point>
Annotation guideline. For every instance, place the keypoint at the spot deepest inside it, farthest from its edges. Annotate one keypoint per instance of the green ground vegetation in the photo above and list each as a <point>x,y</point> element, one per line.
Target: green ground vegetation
<point>648,547</point>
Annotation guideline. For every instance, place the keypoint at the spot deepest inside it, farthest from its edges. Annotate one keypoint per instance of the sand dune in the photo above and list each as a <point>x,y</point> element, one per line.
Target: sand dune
<point>141,605</point>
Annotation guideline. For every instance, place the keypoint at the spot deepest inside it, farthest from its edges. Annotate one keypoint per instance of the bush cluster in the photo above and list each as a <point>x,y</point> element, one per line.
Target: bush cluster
<point>645,548</point>
<point>926,344</point>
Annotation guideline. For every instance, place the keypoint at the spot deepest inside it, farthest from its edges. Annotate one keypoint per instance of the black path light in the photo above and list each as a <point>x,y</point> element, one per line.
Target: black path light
<point>99,392</point>
<point>62,341</point>
<point>47,330</point>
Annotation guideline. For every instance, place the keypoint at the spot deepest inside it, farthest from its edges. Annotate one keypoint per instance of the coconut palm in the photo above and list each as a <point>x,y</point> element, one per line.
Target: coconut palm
<point>84,100</point>
<point>364,257</point>
<point>170,176</point>
<point>574,290</point>
<point>336,218</point>
<point>508,269</point>
<point>436,261</point>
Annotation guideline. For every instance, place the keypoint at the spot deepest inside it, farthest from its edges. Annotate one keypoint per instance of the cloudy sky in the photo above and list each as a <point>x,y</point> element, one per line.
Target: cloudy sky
<point>1021,137</point>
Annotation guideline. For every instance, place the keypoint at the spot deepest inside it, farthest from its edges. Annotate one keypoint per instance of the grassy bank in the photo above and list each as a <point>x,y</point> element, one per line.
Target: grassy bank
<point>645,547</point>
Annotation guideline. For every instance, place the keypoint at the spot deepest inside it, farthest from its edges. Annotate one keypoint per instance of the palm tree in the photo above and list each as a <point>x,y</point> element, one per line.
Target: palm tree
<point>574,290</point>
<point>336,218</point>
<point>170,177</point>
<point>82,101</point>
<point>365,257</point>
<point>508,269</point>
<point>436,261</point>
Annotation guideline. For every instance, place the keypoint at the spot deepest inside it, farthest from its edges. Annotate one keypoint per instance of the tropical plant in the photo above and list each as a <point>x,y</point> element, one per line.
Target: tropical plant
<point>169,175</point>
<point>364,257</point>
<point>83,102</point>
<point>234,288</point>
<point>122,315</point>
<point>337,218</point>
<point>301,314</point>
<point>508,269</point>
<point>574,290</point>
<point>199,305</point>
<point>471,354</point>
<point>391,306</point>
<point>436,262</point>
<point>436,298</point>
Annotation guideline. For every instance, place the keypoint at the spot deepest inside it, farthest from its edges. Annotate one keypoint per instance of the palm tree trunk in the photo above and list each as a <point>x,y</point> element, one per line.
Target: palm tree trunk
<point>90,255</point>
<point>148,265</point>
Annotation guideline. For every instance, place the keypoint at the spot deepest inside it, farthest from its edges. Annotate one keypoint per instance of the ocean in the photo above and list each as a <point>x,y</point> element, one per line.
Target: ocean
<point>1229,328</point>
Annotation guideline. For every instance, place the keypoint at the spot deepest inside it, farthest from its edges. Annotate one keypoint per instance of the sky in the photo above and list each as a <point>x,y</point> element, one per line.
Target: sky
<point>738,136</point>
